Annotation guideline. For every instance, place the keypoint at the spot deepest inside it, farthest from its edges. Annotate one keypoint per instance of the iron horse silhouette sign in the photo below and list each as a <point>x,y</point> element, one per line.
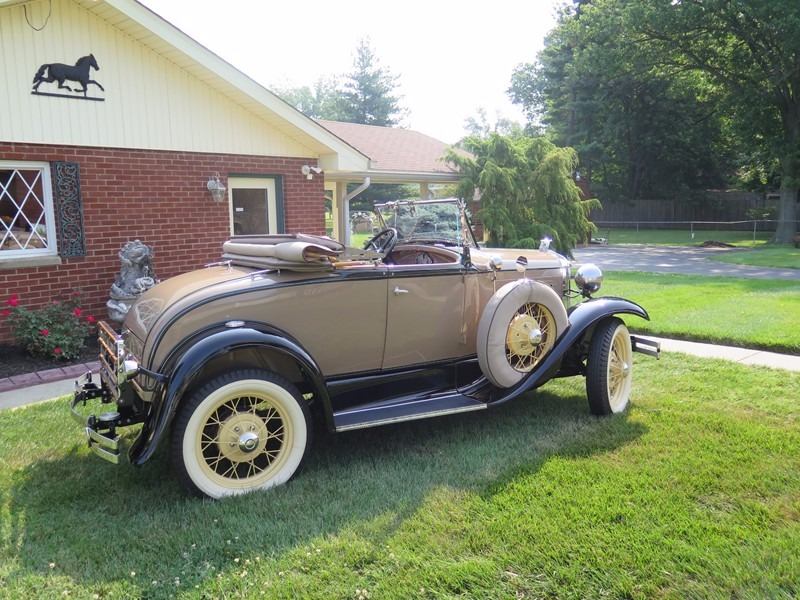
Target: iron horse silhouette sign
<point>79,73</point>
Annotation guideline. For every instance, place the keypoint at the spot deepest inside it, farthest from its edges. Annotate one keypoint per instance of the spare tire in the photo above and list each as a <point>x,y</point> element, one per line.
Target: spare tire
<point>519,326</point>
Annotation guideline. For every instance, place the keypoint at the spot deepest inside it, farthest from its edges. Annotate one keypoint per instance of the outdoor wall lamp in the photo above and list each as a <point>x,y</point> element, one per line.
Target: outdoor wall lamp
<point>216,188</point>
<point>310,171</point>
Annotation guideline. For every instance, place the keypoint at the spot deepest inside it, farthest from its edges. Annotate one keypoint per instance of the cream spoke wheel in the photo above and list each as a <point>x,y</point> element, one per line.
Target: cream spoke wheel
<point>529,336</point>
<point>242,431</point>
<point>609,367</point>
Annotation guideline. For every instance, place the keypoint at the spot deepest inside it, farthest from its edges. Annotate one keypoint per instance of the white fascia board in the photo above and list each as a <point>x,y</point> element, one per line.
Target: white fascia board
<point>393,176</point>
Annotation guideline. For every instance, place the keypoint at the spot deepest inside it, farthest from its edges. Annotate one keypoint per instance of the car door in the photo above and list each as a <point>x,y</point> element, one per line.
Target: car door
<point>425,315</point>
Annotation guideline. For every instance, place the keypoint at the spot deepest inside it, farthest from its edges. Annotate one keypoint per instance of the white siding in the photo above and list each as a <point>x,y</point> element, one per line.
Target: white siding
<point>149,102</point>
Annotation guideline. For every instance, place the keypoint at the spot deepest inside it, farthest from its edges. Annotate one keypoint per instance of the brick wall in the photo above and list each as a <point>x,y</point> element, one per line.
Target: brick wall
<point>158,197</point>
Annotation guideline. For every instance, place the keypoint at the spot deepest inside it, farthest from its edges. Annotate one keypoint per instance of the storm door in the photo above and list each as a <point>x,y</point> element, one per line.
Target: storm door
<point>255,206</point>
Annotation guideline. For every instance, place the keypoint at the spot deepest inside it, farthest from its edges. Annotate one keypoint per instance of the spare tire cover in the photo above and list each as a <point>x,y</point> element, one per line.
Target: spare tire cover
<point>519,326</point>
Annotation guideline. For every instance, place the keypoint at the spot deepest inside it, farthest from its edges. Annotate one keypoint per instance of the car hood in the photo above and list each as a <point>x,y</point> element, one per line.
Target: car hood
<point>537,259</point>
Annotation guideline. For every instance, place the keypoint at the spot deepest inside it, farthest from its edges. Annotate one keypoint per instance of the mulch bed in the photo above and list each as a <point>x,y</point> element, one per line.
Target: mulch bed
<point>713,244</point>
<point>15,360</point>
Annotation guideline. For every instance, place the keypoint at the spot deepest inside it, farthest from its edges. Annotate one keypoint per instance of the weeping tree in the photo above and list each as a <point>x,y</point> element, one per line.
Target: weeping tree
<point>526,190</point>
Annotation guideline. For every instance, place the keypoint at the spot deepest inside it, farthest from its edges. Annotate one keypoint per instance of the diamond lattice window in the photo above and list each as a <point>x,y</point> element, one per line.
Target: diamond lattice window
<point>27,225</point>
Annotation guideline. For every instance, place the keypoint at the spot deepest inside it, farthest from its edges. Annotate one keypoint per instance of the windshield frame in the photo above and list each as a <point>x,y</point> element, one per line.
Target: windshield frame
<point>466,236</point>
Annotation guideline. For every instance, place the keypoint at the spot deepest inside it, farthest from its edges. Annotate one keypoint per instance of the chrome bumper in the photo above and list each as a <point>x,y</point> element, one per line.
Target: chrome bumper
<point>100,430</point>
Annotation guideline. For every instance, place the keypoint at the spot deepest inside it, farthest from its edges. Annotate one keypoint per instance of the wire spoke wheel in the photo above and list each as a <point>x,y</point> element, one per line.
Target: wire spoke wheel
<point>530,336</point>
<point>242,431</point>
<point>518,329</point>
<point>244,438</point>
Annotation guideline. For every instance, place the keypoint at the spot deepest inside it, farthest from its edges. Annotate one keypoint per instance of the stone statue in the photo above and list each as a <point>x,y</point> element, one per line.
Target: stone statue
<point>135,277</point>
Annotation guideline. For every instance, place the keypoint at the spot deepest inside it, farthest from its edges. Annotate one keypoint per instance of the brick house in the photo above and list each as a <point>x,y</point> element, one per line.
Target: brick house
<point>114,125</point>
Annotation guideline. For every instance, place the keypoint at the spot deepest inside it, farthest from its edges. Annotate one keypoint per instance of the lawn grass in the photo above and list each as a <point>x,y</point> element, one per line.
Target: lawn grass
<point>783,257</point>
<point>695,492</point>
<point>751,313</point>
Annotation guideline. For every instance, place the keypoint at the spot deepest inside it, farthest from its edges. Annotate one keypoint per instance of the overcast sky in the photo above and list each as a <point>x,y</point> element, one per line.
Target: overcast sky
<point>451,57</point>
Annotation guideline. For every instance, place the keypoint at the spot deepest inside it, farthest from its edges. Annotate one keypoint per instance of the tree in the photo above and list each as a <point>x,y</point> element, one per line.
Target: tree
<point>526,190</point>
<point>480,126</point>
<point>366,95</point>
<point>321,102</point>
<point>739,58</point>
<point>369,96</point>
<point>640,130</point>
<point>751,48</point>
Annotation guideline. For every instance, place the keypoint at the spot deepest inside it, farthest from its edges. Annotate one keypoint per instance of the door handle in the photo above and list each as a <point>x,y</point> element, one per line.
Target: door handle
<point>399,292</point>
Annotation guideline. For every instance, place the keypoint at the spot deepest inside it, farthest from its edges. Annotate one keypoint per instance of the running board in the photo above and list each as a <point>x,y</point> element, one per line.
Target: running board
<point>403,410</point>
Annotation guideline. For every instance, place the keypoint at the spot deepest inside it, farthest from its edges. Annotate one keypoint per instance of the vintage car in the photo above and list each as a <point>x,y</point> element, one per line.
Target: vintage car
<point>227,364</point>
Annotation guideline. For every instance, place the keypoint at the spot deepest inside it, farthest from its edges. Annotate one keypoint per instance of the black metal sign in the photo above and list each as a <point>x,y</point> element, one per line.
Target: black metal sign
<point>57,72</point>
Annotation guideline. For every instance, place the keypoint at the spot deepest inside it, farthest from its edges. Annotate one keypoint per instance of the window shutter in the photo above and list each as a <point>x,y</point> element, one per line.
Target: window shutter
<point>69,209</point>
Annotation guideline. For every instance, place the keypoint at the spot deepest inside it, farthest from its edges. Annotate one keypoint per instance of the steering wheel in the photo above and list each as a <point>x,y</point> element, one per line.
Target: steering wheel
<point>384,242</point>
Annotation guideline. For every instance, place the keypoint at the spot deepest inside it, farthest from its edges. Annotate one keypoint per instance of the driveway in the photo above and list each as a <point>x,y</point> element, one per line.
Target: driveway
<point>685,260</point>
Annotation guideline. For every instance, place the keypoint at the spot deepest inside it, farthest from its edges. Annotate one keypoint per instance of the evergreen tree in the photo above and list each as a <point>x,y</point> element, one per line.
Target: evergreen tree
<point>526,190</point>
<point>369,95</point>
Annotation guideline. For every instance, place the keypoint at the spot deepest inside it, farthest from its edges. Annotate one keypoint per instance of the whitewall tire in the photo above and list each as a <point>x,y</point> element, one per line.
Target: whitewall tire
<point>242,431</point>
<point>609,367</point>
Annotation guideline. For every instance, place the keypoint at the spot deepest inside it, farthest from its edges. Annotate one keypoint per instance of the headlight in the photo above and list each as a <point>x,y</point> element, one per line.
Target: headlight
<point>589,278</point>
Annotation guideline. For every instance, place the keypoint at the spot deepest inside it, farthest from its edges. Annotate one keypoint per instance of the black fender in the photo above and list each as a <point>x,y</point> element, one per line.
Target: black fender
<point>189,364</point>
<point>581,317</point>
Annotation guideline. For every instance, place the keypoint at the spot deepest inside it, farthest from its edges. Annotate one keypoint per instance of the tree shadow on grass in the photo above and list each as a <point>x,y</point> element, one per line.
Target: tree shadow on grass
<point>82,518</point>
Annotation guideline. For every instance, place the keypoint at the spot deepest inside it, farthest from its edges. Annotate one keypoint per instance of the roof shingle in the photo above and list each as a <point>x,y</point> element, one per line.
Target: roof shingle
<point>393,149</point>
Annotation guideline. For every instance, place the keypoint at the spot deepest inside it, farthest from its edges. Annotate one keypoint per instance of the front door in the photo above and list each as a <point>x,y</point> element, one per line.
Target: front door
<point>255,209</point>
<point>425,321</point>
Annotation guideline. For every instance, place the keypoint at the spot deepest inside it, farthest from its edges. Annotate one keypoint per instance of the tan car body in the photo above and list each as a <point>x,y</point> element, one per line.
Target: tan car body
<point>422,328</point>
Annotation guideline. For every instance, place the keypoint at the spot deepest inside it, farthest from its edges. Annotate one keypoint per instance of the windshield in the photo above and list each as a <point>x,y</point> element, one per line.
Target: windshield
<point>437,221</point>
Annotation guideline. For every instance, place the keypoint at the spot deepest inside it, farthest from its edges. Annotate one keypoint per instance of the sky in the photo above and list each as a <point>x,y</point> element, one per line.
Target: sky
<point>451,57</point>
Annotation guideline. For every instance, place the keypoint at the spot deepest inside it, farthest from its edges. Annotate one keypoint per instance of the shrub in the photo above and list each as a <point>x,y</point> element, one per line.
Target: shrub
<point>58,329</point>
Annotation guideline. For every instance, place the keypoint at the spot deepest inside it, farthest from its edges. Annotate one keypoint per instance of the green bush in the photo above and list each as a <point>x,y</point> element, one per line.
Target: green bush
<point>58,329</point>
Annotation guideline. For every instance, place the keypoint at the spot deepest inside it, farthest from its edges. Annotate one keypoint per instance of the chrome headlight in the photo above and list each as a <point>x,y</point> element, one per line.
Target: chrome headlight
<point>589,278</point>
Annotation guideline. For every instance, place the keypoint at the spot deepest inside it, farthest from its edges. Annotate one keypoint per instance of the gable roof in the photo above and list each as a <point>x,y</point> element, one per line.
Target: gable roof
<point>152,31</point>
<point>397,154</point>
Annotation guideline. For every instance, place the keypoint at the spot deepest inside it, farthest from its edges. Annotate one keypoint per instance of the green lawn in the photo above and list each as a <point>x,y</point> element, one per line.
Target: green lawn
<point>753,313</point>
<point>784,257</point>
<point>693,493</point>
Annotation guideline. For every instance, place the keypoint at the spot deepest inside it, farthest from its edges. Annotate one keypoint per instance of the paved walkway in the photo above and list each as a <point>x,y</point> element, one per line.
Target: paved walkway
<point>686,260</point>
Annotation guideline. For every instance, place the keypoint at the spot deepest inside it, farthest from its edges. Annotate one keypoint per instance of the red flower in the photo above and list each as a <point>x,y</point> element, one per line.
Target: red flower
<point>77,312</point>
<point>6,312</point>
<point>14,300</point>
<point>45,332</point>
<point>57,351</point>
<point>90,318</point>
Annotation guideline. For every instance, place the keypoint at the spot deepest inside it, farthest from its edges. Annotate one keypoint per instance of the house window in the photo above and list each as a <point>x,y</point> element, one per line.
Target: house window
<point>27,222</point>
